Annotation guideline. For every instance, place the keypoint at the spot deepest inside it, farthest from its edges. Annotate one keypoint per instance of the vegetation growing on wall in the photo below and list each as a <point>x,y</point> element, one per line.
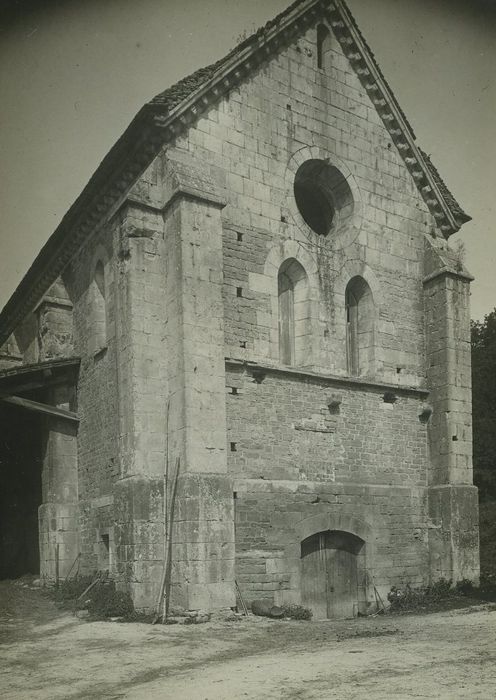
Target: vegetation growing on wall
<point>484,405</point>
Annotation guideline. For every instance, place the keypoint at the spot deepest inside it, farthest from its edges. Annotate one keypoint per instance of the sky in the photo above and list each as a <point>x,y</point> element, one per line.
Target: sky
<point>74,73</point>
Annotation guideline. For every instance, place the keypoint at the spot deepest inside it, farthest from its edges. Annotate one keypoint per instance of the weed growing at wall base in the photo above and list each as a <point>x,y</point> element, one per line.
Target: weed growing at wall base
<point>440,594</point>
<point>102,601</point>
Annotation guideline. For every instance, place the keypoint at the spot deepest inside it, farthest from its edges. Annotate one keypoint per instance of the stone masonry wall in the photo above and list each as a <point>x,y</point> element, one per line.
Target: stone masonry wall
<point>282,428</point>
<point>254,141</point>
<point>98,461</point>
<point>289,455</point>
<point>293,458</point>
<point>273,517</point>
<point>361,466</point>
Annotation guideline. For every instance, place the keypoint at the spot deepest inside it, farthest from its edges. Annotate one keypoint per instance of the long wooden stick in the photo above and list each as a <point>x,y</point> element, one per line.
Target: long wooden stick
<point>41,407</point>
<point>88,589</point>
<point>243,604</point>
<point>378,595</point>
<point>57,558</point>
<point>73,564</point>
<point>166,489</point>
<point>168,570</point>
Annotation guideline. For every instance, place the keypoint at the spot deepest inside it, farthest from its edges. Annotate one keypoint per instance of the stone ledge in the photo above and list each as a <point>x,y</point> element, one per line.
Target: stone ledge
<point>241,486</point>
<point>356,382</point>
<point>461,274</point>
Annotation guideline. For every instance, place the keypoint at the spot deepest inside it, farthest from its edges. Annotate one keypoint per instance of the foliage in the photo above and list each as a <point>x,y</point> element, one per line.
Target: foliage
<point>105,601</point>
<point>297,612</point>
<point>486,590</point>
<point>487,525</point>
<point>483,335</point>
<point>487,587</point>
<point>459,253</point>
<point>465,587</point>
<point>409,598</point>
<point>69,591</point>
<point>102,601</point>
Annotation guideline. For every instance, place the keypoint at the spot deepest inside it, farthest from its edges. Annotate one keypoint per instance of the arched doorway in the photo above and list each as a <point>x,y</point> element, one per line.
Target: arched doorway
<point>331,564</point>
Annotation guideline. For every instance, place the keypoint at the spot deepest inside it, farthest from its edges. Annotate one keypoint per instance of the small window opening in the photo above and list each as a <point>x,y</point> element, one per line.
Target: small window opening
<point>455,438</point>
<point>239,291</point>
<point>234,391</point>
<point>398,370</point>
<point>234,447</point>
<point>242,344</point>
<point>106,542</point>
<point>240,237</point>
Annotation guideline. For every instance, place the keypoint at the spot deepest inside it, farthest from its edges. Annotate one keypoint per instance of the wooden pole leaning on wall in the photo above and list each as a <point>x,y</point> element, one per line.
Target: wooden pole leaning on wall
<point>168,568</point>
<point>73,565</point>
<point>57,555</point>
<point>165,511</point>
<point>241,599</point>
<point>162,610</point>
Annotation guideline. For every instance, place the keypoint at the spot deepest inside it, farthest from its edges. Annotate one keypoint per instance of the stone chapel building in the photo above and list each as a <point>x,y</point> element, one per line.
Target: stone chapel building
<point>253,307</point>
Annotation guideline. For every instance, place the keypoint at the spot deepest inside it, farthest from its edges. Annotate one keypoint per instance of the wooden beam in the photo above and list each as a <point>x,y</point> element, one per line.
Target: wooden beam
<point>20,388</point>
<point>41,408</point>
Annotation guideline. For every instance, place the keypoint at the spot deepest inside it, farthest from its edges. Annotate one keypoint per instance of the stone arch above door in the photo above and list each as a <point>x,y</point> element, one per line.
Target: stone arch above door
<point>333,521</point>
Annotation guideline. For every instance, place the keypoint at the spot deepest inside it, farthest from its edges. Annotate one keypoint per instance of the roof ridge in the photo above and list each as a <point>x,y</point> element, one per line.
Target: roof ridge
<point>171,97</point>
<point>461,215</point>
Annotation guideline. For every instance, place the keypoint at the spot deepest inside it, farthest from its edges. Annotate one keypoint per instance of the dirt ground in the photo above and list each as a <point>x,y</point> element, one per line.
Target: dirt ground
<point>49,654</point>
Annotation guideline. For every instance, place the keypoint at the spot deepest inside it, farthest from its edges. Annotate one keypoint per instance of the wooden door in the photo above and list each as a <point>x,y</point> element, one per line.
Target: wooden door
<point>329,581</point>
<point>342,584</point>
<point>314,575</point>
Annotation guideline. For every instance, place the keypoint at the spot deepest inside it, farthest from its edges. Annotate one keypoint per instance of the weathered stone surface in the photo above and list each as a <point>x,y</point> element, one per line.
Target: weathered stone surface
<point>236,463</point>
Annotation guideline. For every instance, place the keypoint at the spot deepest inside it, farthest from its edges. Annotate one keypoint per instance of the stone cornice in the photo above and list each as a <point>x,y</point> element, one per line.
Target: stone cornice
<point>194,194</point>
<point>355,382</point>
<point>448,271</point>
<point>392,116</point>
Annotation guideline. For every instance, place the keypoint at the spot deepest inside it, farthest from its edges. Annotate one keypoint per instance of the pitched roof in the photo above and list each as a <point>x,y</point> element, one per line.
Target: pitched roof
<point>172,111</point>
<point>176,93</point>
<point>460,215</point>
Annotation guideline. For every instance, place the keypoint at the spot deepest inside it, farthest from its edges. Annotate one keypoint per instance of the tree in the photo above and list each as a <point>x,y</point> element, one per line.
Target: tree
<point>483,334</point>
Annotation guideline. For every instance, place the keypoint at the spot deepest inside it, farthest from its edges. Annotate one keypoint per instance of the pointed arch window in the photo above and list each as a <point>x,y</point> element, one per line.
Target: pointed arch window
<point>285,290</point>
<point>360,314</point>
<point>294,313</point>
